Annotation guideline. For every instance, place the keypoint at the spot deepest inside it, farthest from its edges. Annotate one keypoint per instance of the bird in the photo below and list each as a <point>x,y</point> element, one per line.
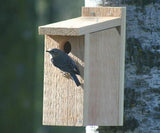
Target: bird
<point>64,62</point>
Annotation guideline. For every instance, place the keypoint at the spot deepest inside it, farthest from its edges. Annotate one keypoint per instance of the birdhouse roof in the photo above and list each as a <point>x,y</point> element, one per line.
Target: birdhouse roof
<point>80,26</point>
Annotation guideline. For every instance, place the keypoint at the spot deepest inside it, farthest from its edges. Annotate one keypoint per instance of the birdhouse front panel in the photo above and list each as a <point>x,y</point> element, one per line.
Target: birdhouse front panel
<point>62,99</point>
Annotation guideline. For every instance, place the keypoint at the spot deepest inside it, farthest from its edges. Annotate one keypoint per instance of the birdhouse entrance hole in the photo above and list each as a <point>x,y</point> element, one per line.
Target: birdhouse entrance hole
<point>65,46</point>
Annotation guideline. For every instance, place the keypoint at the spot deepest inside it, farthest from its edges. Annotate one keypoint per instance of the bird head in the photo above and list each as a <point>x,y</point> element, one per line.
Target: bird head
<point>54,52</point>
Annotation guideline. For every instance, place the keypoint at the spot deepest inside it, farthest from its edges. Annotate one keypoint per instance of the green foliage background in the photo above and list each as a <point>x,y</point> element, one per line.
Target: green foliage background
<point>21,62</point>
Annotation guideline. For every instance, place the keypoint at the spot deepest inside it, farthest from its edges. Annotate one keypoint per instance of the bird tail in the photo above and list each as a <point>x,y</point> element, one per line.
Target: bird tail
<point>75,79</point>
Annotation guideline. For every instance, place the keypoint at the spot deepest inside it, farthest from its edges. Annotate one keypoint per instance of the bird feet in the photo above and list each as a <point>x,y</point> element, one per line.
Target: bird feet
<point>66,75</point>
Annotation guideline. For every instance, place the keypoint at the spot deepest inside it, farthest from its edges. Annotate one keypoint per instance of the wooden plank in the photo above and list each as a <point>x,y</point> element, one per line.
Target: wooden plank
<point>93,19</point>
<point>86,79</point>
<point>102,11</point>
<point>101,98</point>
<point>62,99</point>
<point>79,26</point>
<point>109,23</point>
<point>122,66</point>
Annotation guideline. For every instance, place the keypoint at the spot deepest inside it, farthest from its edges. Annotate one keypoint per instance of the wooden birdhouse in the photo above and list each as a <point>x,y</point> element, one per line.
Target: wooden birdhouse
<point>96,42</point>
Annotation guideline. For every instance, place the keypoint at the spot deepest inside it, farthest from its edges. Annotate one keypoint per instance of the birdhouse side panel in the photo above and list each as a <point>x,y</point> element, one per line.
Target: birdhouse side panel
<point>103,76</point>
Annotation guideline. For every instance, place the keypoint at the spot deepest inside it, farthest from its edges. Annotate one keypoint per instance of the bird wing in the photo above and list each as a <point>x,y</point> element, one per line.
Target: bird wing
<point>66,64</point>
<point>74,66</point>
<point>70,66</point>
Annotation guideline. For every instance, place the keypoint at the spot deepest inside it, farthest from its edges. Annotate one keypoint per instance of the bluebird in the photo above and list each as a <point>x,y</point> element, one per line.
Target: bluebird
<point>62,61</point>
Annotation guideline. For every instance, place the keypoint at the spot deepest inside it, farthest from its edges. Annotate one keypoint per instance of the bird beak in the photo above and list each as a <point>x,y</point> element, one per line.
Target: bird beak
<point>51,53</point>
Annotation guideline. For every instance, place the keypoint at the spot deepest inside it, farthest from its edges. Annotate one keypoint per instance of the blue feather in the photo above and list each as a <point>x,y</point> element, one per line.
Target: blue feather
<point>61,60</point>
<point>74,77</point>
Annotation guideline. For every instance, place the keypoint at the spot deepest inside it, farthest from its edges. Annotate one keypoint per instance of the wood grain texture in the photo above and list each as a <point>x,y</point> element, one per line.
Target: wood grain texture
<point>101,97</point>
<point>102,11</point>
<point>62,99</point>
<point>104,72</point>
<point>79,26</point>
<point>122,65</point>
<point>93,19</point>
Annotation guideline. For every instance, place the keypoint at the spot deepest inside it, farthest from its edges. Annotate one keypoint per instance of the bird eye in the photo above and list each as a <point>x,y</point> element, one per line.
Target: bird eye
<point>55,52</point>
